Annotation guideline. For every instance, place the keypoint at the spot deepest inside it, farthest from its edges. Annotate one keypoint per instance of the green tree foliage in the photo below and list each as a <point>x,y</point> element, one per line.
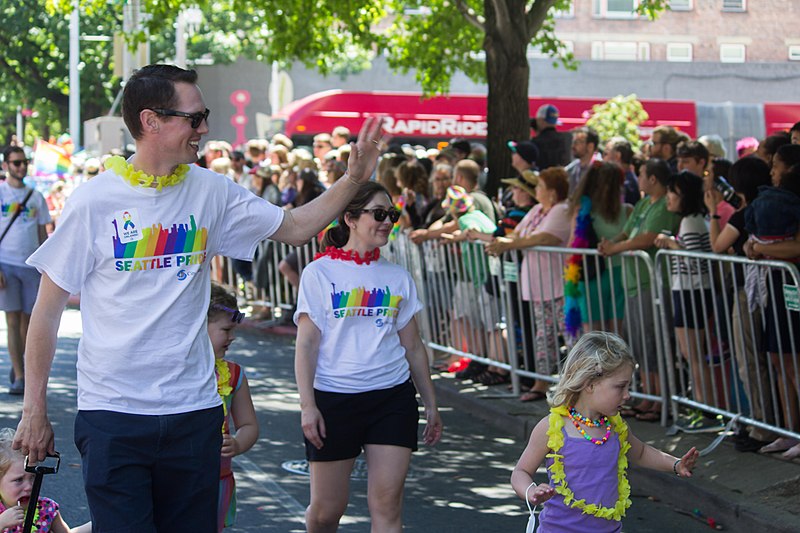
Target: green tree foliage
<point>34,66</point>
<point>619,117</point>
<point>485,39</point>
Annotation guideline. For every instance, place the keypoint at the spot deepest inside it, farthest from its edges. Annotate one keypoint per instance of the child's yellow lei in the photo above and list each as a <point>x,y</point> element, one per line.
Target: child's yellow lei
<point>137,178</point>
<point>555,440</point>
<point>223,386</point>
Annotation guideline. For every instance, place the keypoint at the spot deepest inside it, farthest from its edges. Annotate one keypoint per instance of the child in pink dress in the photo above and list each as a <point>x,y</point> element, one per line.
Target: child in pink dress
<point>15,493</point>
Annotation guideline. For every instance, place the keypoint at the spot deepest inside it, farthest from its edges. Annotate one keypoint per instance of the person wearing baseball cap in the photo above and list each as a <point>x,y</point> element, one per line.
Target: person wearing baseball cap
<point>555,148</point>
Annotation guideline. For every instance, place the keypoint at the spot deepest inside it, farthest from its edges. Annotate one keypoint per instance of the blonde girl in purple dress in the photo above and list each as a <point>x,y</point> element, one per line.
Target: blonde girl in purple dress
<point>240,428</point>
<point>586,445</point>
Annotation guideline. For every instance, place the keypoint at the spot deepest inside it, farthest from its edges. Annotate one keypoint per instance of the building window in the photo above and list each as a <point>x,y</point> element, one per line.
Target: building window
<point>732,53</point>
<point>614,9</point>
<point>680,5</point>
<point>794,52</point>
<point>679,52</point>
<point>734,5</point>
<point>620,51</point>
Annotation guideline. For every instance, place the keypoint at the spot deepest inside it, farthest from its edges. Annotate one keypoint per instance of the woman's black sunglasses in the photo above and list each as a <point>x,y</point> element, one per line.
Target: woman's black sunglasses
<point>236,315</point>
<point>380,214</point>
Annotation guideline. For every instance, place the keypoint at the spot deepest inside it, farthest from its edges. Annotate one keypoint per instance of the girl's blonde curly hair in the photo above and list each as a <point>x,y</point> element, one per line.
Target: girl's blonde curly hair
<point>596,355</point>
<point>8,455</point>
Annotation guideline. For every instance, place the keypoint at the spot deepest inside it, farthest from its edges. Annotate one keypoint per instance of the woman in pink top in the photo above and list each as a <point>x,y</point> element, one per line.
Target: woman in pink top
<point>547,224</point>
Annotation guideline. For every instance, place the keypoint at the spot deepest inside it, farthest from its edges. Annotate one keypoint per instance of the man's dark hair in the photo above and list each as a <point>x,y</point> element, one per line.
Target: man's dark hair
<point>795,127</point>
<point>694,149</point>
<point>625,151</point>
<point>660,169</point>
<point>12,150</point>
<point>151,87</point>
<point>591,136</point>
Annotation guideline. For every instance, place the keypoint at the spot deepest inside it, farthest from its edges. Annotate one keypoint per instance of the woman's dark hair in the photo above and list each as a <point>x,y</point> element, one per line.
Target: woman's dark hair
<point>412,175</point>
<point>791,179</point>
<point>747,175</point>
<point>151,87</point>
<point>338,235</point>
<point>602,184</point>
<point>220,296</point>
<point>789,154</point>
<point>660,169</point>
<point>690,188</point>
<point>311,187</point>
<point>721,167</point>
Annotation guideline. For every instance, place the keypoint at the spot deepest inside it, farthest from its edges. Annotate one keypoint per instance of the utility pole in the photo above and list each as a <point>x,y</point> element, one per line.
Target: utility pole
<point>74,77</point>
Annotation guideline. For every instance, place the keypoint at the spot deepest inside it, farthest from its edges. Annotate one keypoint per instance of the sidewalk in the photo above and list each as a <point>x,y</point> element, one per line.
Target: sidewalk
<point>740,491</point>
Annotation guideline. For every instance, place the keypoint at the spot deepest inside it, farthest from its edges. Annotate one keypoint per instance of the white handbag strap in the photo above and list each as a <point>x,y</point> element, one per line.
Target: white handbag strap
<point>532,516</point>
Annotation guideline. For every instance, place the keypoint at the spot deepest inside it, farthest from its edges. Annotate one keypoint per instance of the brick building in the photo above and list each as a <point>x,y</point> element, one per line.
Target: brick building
<point>723,31</point>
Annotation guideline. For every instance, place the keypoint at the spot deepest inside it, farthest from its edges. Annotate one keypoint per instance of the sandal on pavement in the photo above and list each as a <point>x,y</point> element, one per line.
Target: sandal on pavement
<point>532,396</point>
<point>492,378</point>
<point>792,453</point>
<point>649,416</point>
<point>781,444</point>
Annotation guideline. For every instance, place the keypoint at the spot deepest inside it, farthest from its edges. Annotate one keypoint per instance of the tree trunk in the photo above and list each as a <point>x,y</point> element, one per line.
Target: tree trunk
<point>507,73</point>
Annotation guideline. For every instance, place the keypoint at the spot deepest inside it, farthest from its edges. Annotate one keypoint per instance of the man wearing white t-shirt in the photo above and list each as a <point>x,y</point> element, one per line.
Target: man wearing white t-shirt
<point>23,219</point>
<point>136,242</point>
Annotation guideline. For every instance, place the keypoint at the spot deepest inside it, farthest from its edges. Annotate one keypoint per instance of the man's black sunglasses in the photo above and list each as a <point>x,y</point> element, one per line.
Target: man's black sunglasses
<point>18,162</point>
<point>236,315</point>
<point>380,214</point>
<point>196,118</point>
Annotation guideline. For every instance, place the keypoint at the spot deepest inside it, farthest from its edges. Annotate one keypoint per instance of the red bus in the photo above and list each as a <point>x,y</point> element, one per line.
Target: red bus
<point>412,119</point>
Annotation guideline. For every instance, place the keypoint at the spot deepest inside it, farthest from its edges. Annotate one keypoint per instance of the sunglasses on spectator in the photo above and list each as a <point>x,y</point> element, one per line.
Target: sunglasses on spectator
<point>236,315</point>
<point>380,214</point>
<point>18,162</point>
<point>196,118</point>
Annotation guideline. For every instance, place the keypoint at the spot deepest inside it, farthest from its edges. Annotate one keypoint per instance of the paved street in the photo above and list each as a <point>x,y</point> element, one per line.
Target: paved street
<point>461,485</point>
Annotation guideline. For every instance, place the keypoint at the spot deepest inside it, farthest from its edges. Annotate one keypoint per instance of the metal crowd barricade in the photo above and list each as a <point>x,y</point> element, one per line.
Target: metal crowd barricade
<point>716,358</point>
<point>267,287</point>
<point>604,308</point>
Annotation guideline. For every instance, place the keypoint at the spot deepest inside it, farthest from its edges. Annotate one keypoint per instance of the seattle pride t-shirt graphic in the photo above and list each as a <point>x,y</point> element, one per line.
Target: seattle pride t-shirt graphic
<point>361,302</point>
<point>158,247</point>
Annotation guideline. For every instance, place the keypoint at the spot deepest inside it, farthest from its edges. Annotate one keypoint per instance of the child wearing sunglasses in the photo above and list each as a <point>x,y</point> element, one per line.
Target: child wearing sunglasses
<point>359,362</point>
<point>240,428</point>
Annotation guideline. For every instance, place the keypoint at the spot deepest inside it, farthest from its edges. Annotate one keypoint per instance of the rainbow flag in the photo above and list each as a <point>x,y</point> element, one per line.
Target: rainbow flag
<point>49,159</point>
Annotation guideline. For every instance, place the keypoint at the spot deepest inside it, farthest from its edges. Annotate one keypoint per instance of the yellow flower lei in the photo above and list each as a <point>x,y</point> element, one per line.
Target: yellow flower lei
<point>137,178</point>
<point>223,385</point>
<point>555,440</point>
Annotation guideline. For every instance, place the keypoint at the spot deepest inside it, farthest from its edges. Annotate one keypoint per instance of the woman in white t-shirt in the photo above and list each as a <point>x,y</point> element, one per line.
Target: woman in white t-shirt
<point>358,359</point>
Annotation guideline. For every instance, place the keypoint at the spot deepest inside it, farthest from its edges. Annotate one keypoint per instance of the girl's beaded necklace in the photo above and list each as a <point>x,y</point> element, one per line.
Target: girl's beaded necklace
<point>578,419</point>
<point>555,441</point>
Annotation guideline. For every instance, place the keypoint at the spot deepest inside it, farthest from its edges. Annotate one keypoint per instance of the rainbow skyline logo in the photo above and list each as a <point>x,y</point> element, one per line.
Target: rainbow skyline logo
<point>362,302</point>
<point>156,241</point>
<point>9,209</point>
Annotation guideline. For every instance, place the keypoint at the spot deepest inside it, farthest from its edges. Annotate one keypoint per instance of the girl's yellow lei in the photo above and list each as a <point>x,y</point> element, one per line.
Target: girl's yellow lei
<point>137,178</point>
<point>223,386</point>
<point>555,441</point>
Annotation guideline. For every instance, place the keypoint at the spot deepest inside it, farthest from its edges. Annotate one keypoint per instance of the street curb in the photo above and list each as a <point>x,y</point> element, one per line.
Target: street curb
<point>735,512</point>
